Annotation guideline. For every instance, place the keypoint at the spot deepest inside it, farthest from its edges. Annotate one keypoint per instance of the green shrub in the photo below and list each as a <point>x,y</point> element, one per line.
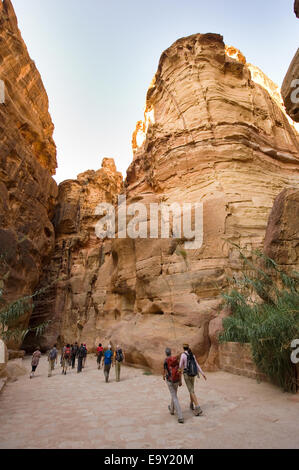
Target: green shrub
<point>265,313</point>
<point>11,313</point>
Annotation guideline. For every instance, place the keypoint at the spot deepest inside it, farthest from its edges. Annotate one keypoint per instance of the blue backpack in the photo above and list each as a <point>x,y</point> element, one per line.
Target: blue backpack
<point>108,357</point>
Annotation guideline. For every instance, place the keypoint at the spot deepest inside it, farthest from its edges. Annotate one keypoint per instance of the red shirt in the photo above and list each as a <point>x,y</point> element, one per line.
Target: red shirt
<point>100,349</point>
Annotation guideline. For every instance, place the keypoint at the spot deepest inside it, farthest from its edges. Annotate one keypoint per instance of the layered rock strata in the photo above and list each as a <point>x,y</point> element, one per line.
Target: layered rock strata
<point>215,132</point>
<point>27,163</point>
<point>72,275</point>
<point>282,235</point>
<point>290,86</point>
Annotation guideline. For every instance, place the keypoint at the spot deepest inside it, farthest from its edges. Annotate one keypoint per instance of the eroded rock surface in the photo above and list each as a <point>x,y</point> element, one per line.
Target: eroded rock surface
<point>216,132</point>
<point>290,89</point>
<point>290,86</point>
<point>27,163</point>
<point>282,236</point>
<point>73,272</point>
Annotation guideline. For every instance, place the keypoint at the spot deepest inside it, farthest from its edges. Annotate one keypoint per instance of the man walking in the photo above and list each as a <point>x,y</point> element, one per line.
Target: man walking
<point>85,356</point>
<point>191,369</point>
<point>52,357</point>
<point>118,357</point>
<point>35,361</point>
<point>107,362</point>
<point>100,352</point>
<point>81,353</point>
<point>66,356</point>
<point>74,353</point>
<point>173,379</point>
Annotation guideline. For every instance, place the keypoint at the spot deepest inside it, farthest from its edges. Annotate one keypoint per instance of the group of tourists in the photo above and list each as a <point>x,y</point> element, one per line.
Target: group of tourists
<point>69,354</point>
<point>174,368</point>
<point>72,352</point>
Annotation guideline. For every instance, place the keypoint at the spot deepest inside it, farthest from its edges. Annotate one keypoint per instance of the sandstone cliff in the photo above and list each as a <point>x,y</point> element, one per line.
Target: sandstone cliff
<point>215,131</point>
<point>27,161</point>
<point>290,86</point>
<point>77,259</point>
<point>282,235</point>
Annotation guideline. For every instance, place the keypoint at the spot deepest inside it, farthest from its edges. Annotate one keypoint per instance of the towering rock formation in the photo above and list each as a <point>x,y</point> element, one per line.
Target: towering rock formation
<point>290,86</point>
<point>27,163</point>
<point>74,269</point>
<point>215,131</point>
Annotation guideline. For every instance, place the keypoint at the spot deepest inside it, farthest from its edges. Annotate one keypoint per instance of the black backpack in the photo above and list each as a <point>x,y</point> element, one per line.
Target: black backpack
<point>81,352</point>
<point>191,369</point>
<point>119,355</point>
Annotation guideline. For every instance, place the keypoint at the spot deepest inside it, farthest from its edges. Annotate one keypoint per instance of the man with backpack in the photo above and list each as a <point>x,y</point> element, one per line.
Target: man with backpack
<point>108,355</point>
<point>52,357</point>
<point>100,352</point>
<point>119,357</point>
<point>81,355</point>
<point>74,353</point>
<point>66,357</point>
<point>191,369</point>
<point>85,356</point>
<point>173,379</point>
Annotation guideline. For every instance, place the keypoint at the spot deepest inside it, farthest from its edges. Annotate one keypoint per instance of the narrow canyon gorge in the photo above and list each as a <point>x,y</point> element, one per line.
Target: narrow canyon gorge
<point>216,131</point>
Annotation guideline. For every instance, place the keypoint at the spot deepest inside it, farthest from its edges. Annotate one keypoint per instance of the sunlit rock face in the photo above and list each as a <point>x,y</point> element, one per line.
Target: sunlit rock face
<point>220,136</point>
<point>27,161</point>
<point>290,86</point>
<point>290,89</point>
<point>73,273</point>
<point>282,235</point>
<point>215,131</point>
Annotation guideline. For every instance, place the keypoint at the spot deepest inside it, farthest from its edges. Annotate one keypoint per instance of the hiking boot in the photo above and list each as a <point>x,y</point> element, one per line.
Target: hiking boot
<point>198,411</point>
<point>181,420</point>
<point>171,412</point>
<point>191,406</point>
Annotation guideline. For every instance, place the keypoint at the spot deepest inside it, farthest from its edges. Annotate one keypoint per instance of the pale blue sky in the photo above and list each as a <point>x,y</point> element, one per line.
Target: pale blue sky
<point>97,59</point>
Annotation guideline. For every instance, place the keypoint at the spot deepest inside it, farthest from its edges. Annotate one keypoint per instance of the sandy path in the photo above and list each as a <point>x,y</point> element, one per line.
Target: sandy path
<point>82,411</point>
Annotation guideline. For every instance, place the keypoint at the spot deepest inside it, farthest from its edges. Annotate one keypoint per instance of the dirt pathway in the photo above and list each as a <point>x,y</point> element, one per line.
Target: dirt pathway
<point>82,411</point>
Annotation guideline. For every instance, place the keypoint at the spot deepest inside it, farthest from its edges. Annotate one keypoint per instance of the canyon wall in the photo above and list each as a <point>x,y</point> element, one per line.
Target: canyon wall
<point>72,275</point>
<point>290,86</point>
<point>282,235</point>
<point>27,163</point>
<point>215,131</point>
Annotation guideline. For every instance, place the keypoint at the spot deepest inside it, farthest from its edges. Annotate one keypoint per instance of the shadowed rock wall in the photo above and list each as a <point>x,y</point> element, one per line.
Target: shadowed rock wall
<point>27,163</point>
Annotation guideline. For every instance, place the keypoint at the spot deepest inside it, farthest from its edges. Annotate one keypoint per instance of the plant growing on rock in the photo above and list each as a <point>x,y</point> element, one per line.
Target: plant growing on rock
<point>265,313</point>
<point>11,313</point>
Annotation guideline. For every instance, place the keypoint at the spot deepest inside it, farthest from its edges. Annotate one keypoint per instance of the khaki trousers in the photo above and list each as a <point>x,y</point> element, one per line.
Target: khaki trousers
<point>117,370</point>
<point>51,366</point>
